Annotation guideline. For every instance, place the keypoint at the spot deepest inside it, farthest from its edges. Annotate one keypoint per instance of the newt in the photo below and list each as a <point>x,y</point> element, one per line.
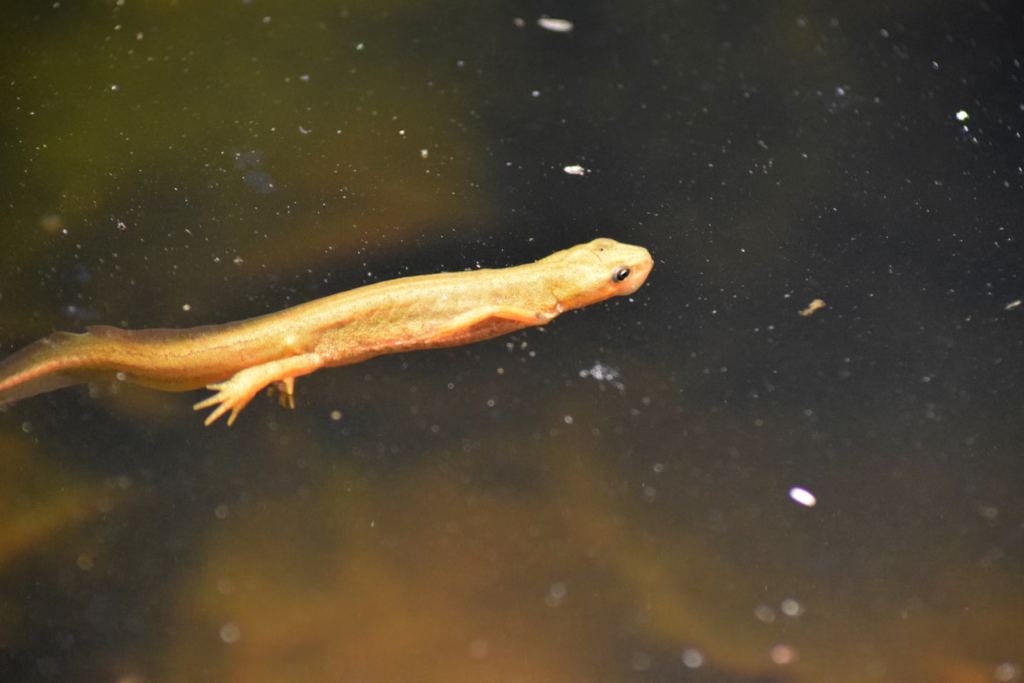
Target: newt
<point>237,360</point>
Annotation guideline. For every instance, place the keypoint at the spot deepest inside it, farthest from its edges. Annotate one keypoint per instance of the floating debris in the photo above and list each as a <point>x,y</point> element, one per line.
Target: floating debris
<point>812,307</point>
<point>575,170</point>
<point>782,654</point>
<point>803,496</point>
<point>603,373</point>
<point>556,25</point>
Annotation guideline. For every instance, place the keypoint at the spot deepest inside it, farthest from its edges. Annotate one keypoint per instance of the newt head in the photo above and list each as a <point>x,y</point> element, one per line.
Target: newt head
<point>596,271</point>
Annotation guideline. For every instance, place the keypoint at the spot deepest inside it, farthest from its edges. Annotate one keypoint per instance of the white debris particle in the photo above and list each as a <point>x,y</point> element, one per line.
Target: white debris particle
<point>230,633</point>
<point>603,373</point>
<point>962,115</point>
<point>1007,672</point>
<point>692,659</point>
<point>575,170</point>
<point>802,496</point>
<point>782,654</point>
<point>556,594</point>
<point>792,608</point>
<point>1013,304</point>
<point>556,25</point>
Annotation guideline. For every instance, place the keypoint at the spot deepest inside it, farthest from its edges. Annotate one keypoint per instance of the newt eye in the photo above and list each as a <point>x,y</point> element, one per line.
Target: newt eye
<point>620,274</point>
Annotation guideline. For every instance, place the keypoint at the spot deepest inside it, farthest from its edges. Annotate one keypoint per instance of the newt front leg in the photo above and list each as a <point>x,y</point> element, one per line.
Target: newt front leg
<point>235,393</point>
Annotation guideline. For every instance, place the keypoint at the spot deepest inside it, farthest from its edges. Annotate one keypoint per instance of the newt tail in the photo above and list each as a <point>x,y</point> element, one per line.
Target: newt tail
<point>48,364</point>
<point>100,354</point>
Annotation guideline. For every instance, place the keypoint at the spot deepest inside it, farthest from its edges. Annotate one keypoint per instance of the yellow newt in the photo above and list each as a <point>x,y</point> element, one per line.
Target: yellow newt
<point>238,359</point>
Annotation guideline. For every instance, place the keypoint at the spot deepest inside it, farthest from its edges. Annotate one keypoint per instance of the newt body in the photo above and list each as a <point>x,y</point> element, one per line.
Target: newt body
<point>239,359</point>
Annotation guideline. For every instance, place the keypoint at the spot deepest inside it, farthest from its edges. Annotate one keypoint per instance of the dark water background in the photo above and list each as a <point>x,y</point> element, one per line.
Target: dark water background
<point>494,512</point>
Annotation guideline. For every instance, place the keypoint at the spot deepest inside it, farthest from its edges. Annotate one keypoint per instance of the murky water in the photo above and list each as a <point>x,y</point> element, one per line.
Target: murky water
<point>623,495</point>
